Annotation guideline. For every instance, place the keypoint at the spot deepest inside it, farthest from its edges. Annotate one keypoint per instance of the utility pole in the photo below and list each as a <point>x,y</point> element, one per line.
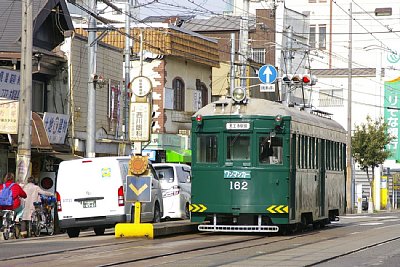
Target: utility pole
<point>25,100</point>
<point>244,44</point>
<point>128,15</point>
<point>349,179</point>
<point>91,115</point>
<point>232,74</point>
<point>289,57</point>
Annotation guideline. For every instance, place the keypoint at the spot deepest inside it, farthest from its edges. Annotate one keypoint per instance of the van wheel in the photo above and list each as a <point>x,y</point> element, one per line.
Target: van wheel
<point>157,213</point>
<point>99,230</point>
<point>73,232</point>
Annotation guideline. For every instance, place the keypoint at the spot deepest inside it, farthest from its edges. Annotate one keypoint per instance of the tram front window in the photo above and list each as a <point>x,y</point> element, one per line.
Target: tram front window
<point>270,150</point>
<point>238,147</point>
<point>207,148</point>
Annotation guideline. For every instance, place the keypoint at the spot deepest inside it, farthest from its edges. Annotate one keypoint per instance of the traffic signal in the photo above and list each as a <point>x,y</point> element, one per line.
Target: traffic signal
<point>294,79</point>
<point>309,79</point>
<point>287,78</point>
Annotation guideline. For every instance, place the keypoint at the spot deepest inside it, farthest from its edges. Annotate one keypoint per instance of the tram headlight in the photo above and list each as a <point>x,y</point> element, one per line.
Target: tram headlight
<point>279,123</point>
<point>239,94</point>
<point>199,120</point>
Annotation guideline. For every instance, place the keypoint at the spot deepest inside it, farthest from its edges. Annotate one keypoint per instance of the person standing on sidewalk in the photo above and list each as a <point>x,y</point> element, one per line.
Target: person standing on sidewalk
<point>33,195</point>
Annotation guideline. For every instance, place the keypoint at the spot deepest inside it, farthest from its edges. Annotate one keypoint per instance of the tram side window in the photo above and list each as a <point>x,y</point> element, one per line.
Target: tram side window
<point>207,148</point>
<point>270,150</point>
<point>238,147</point>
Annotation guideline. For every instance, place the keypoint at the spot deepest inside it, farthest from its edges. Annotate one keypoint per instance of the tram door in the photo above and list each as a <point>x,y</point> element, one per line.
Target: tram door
<point>238,151</point>
<point>321,174</point>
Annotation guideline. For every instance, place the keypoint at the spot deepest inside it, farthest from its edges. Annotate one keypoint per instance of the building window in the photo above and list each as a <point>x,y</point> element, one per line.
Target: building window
<point>179,94</point>
<point>258,55</point>
<point>322,36</point>
<point>201,95</point>
<point>38,96</point>
<point>311,38</point>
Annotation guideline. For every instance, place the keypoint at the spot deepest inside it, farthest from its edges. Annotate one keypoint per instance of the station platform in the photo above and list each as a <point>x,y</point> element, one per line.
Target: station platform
<point>174,227</point>
<point>155,230</point>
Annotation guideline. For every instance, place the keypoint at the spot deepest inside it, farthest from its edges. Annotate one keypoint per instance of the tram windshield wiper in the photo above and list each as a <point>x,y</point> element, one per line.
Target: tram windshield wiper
<point>234,139</point>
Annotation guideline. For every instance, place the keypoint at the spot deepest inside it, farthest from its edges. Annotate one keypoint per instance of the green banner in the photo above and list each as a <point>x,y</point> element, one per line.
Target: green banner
<point>391,115</point>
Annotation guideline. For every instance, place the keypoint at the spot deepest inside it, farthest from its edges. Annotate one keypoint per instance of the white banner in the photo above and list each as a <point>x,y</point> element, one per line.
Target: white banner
<point>8,116</point>
<point>9,84</point>
<point>56,126</point>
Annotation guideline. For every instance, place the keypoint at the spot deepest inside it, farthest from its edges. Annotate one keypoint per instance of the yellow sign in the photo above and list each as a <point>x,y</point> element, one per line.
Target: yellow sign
<point>138,191</point>
<point>278,209</point>
<point>197,208</point>
<point>138,165</point>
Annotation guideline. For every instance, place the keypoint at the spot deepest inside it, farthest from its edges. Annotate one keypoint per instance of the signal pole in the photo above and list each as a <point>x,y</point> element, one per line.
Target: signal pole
<point>25,100</point>
<point>91,115</point>
<point>232,76</point>
<point>244,44</point>
<point>349,179</point>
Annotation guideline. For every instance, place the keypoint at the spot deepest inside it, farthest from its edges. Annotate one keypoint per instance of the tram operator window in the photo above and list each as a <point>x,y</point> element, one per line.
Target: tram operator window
<point>270,150</point>
<point>238,147</point>
<point>207,148</point>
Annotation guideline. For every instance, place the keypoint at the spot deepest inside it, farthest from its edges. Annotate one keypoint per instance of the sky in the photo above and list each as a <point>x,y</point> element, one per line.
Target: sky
<point>183,7</point>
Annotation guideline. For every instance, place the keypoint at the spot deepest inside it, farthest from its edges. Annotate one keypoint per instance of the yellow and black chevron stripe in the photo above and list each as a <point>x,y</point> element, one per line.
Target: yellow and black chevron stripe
<point>197,208</point>
<point>278,209</point>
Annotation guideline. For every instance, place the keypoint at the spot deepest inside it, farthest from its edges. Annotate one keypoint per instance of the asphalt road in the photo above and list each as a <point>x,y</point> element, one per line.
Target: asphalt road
<point>356,240</point>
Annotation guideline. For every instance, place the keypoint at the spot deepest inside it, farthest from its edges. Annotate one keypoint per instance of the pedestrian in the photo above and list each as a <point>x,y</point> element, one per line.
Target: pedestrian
<point>33,195</point>
<point>17,194</point>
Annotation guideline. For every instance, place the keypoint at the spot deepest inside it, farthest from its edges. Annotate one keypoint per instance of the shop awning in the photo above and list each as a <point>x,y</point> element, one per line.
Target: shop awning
<point>66,156</point>
<point>39,139</point>
<point>183,156</point>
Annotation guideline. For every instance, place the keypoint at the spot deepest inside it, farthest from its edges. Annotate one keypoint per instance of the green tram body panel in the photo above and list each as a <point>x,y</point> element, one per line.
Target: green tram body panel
<point>280,191</point>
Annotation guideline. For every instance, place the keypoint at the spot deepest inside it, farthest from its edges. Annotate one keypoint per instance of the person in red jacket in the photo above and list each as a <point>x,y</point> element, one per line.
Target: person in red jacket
<point>17,193</point>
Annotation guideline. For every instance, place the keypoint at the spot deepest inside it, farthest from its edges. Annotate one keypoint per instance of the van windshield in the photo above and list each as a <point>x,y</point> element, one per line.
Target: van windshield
<point>165,173</point>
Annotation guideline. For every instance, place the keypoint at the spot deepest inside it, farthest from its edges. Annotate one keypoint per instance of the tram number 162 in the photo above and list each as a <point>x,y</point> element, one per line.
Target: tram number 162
<point>238,185</point>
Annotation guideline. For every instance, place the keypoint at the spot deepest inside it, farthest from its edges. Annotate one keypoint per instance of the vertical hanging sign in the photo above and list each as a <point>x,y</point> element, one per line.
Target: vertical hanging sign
<point>391,116</point>
<point>139,122</point>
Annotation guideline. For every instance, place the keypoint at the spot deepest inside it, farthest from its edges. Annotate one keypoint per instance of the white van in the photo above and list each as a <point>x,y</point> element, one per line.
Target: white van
<point>90,193</point>
<point>176,189</point>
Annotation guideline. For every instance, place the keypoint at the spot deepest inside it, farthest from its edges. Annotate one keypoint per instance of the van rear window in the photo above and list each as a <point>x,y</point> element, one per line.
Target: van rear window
<point>165,173</point>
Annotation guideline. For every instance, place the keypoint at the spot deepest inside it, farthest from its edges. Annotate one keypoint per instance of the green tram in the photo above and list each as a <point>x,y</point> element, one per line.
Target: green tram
<point>260,166</point>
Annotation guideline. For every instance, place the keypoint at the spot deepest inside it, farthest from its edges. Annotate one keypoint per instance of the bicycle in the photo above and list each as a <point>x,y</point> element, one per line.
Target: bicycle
<point>42,217</point>
<point>10,225</point>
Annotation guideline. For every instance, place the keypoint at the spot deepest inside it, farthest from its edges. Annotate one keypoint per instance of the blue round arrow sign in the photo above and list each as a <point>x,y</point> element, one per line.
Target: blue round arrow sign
<point>267,74</point>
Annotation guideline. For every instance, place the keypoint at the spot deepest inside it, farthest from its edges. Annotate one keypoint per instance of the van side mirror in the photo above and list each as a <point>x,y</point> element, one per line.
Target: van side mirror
<point>188,179</point>
<point>161,175</point>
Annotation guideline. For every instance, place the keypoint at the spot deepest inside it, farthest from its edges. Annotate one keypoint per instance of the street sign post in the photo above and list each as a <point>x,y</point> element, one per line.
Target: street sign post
<point>267,74</point>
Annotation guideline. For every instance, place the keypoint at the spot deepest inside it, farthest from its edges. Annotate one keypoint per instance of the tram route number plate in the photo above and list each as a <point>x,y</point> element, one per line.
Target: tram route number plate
<point>238,126</point>
<point>89,204</point>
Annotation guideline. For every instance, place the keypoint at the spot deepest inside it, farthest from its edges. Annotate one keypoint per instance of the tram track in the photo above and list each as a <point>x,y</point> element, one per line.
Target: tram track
<point>228,248</point>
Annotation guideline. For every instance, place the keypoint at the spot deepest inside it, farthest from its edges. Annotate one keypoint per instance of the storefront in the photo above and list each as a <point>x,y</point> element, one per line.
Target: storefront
<point>173,148</point>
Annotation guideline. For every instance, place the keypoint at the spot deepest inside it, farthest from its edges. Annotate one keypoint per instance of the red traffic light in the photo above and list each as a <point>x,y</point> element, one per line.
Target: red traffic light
<point>306,79</point>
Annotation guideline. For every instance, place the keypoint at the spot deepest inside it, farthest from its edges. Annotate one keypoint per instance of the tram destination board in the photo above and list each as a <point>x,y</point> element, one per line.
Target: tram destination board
<point>238,126</point>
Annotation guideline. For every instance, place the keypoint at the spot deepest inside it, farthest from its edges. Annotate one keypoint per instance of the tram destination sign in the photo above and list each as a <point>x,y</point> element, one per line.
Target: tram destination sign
<point>238,125</point>
<point>232,174</point>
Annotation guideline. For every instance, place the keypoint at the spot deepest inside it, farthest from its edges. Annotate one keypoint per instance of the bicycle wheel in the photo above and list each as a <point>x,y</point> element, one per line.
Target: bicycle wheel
<point>49,224</point>
<point>36,224</point>
<point>6,226</point>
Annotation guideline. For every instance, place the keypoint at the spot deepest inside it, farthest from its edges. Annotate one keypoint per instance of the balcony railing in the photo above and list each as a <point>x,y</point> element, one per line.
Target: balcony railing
<point>331,102</point>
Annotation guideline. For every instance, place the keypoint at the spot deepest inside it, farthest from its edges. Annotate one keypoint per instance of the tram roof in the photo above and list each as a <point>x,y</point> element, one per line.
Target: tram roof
<point>263,107</point>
